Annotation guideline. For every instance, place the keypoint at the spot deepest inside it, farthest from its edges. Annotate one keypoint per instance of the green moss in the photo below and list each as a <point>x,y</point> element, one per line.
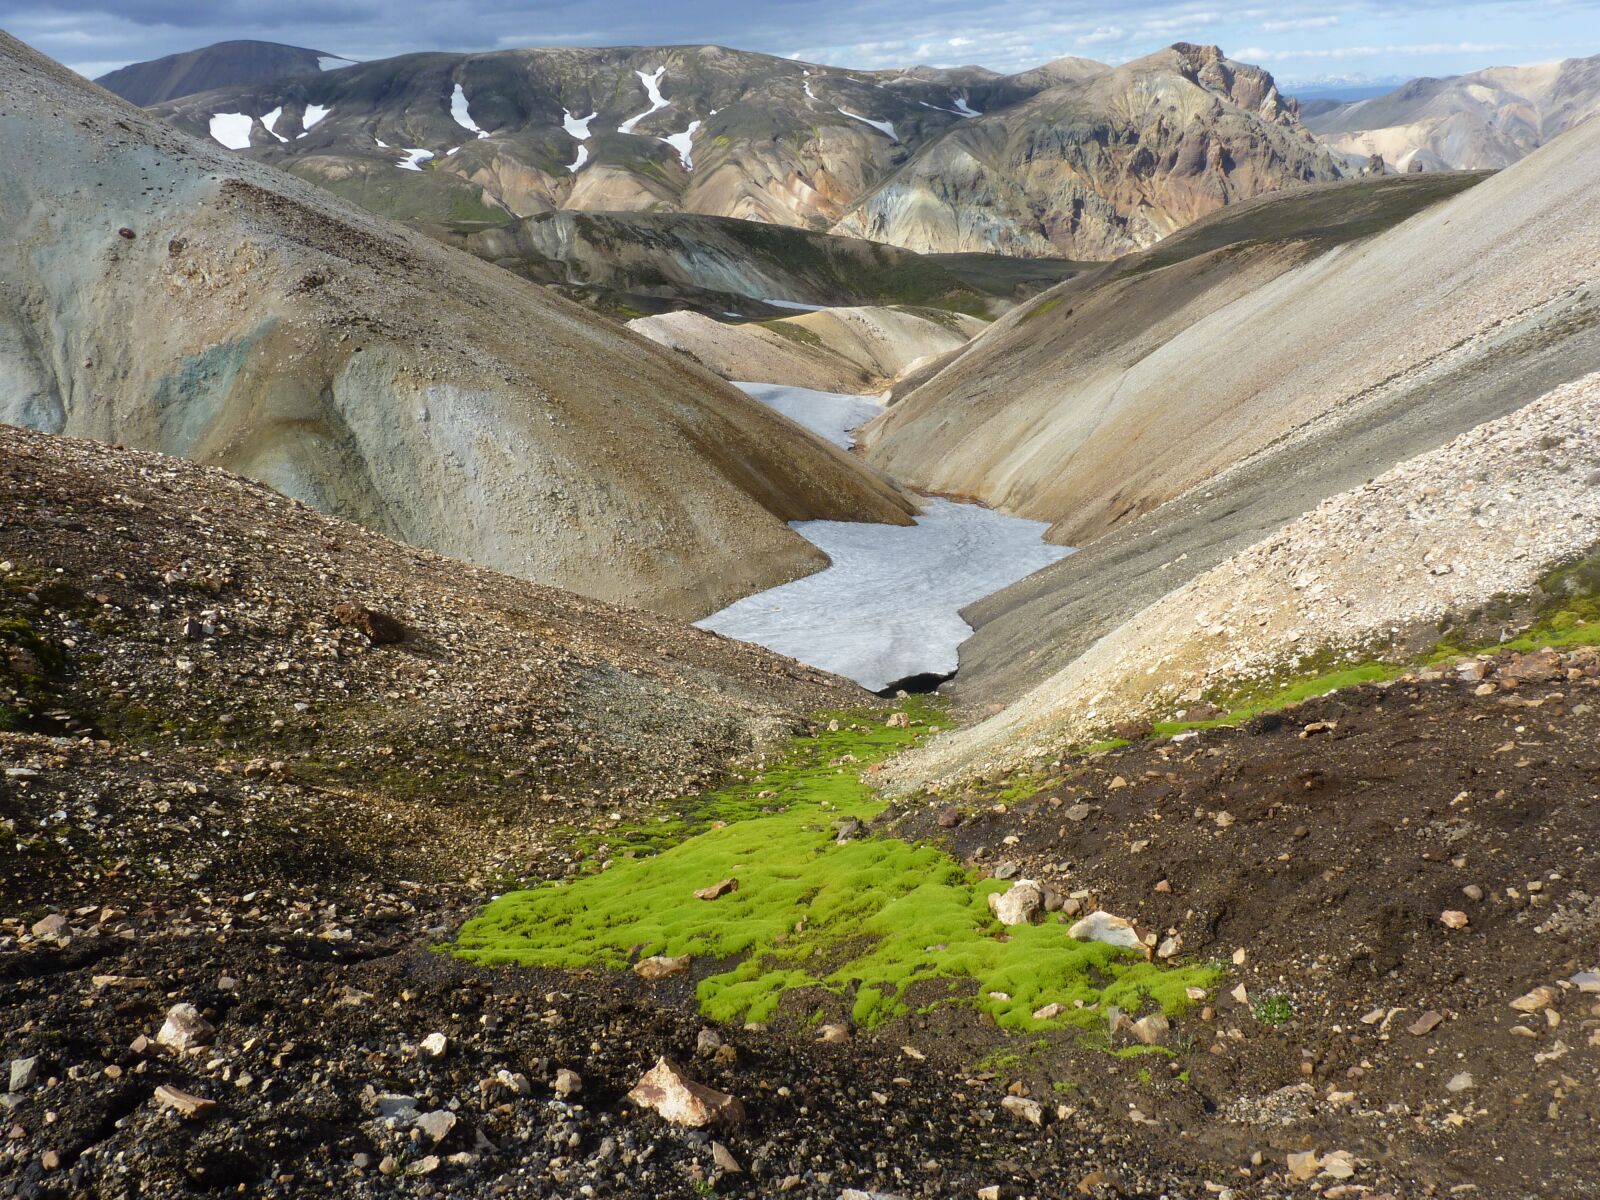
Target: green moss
<point>1039,309</point>
<point>1274,1009</point>
<point>870,920</point>
<point>787,329</point>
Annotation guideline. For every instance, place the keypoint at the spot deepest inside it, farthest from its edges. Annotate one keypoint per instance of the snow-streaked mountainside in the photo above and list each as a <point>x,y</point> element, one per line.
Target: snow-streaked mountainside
<point>224,65</point>
<point>1070,159</point>
<point>158,291</point>
<point>1490,118</point>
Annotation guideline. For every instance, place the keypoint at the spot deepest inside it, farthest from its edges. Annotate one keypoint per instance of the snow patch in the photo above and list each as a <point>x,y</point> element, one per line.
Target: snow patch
<point>881,126</point>
<point>232,129</point>
<point>583,157</point>
<point>415,157</point>
<point>578,127</point>
<point>313,117</point>
<point>683,143</point>
<point>889,605</point>
<point>380,141</point>
<point>652,88</point>
<point>965,109</point>
<point>461,114</point>
<point>832,416</point>
<point>332,62</point>
<point>271,119</point>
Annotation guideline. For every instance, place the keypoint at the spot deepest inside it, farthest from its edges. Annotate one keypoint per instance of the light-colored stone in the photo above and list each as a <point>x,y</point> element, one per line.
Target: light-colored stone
<point>833,1034</point>
<point>1539,998</point>
<point>567,1083</point>
<point>717,890</point>
<point>723,1157</point>
<point>1101,926</point>
<point>184,1028</point>
<point>22,1073</point>
<point>1303,1165</point>
<point>1453,918</point>
<point>660,966</point>
<point>1150,1030</point>
<point>1019,905</point>
<point>1461,1081</point>
<point>435,1045</point>
<point>667,1091</point>
<point>1024,1109</point>
<point>185,1104</point>
<point>436,1125</point>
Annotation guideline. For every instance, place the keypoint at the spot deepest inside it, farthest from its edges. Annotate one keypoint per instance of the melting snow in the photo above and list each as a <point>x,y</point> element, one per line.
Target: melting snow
<point>332,62</point>
<point>888,606</point>
<point>882,126</point>
<point>415,157</point>
<point>380,141</point>
<point>232,129</point>
<point>652,88</point>
<point>459,111</point>
<point>965,109</point>
<point>830,415</point>
<point>683,143</point>
<point>583,157</point>
<point>578,127</point>
<point>313,117</point>
<point>271,119</point>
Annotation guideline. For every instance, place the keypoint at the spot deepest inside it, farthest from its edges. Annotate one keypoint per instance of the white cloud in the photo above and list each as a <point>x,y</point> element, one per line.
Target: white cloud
<point>958,42</point>
<point>1102,35</point>
<point>1299,23</point>
<point>1420,50</point>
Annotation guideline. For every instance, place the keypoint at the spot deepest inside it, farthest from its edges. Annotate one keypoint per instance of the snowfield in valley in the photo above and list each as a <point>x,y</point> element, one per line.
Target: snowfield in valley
<point>889,605</point>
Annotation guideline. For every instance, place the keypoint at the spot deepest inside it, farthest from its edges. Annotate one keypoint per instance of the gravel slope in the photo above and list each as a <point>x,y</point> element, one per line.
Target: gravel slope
<point>1326,376</point>
<point>284,334</point>
<point>1438,541</point>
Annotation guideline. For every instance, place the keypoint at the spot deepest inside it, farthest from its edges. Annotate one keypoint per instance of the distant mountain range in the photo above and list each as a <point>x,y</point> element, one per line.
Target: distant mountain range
<point>1072,159</point>
<point>1490,118</point>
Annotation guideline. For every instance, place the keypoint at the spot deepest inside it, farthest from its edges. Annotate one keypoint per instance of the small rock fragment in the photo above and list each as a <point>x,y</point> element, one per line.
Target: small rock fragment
<point>717,890</point>
<point>1101,926</point>
<point>568,1083</point>
<point>435,1045</point>
<point>720,1154</point>
<point>1019,905</point>
<point>184,1028</point>
<point>1425,1024</point>
<point>1531,1002</point>
<point>1453,918</point>
<point>1024,1109</point>
<point>186,1104</point>
<point>660,966</point>
<point>1461,1081</point>
<point>437,1124</point>
<point>666,1090</point>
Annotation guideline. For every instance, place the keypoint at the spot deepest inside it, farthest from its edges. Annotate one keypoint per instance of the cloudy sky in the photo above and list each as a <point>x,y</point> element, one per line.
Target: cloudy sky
<point>1302,43</point>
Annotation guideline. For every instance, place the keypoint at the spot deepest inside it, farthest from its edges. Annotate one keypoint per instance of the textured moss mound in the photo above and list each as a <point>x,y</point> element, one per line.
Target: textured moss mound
<point>869,919</point>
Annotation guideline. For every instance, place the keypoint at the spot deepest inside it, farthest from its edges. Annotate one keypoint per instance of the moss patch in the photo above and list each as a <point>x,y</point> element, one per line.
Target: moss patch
<point>868,920</point>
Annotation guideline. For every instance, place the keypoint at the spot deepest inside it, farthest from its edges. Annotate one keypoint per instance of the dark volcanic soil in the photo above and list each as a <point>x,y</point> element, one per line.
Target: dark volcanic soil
<point>1323,845</point>
<point>178,830</point>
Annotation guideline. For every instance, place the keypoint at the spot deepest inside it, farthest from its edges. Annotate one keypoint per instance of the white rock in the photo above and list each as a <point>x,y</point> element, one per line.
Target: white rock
<point>435,1044</point>
<point>185,1028</point>
<point>1021,1107</point>
<point>681,1101</point>
<point>1101,926</point>
<point>1020,905</point>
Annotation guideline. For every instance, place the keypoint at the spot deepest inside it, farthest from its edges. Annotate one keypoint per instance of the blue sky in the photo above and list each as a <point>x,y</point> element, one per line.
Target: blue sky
<point>1302,43</point>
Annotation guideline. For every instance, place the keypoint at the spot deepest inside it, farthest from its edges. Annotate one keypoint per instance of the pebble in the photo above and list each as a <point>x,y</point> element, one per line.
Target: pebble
<point>435,1045</point>
<point>184,1028</point>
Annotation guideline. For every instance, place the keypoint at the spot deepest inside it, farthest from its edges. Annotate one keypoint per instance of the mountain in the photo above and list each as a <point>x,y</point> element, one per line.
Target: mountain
<point>160,292</point>
<point>224,65</point>
<point>848,350</point>
<point>1073,159</point>
<point>1099,165</point>
<point>1489,118</point>
<point>1246,403</point>
<point>513,133</point>
<point>1453,547</point>
<point>637,263</point>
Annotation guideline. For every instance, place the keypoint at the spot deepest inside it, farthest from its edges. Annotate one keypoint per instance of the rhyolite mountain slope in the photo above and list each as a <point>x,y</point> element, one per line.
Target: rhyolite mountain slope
<point>1490,118</point>
<point>512,133</point>
<point>1099,165</point>
<point>1246,405</point>
<point>162,293</point>
<point>852,350</point>
<point>223,65</point>
<point>721,266</point>
<point>1072,159</point>
<point>1466,540</point>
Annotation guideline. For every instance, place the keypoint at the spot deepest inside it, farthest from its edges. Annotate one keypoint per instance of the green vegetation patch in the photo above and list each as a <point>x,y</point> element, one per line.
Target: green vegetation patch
<point>870,919</point>
<point>786,328</point>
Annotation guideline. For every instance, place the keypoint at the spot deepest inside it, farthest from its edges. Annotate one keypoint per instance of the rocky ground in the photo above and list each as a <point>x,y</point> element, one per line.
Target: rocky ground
<point>1400,881</point>
<point>258,765</point>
